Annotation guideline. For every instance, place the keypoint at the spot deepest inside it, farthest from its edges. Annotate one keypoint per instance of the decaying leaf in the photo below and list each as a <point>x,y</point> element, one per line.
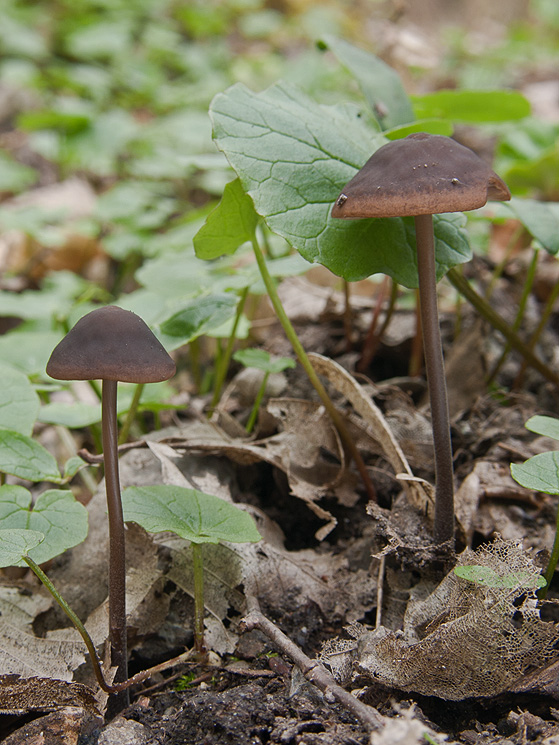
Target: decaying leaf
<point>19,695</point>
<point>464,640</point>
<point>298,450</point>
<point>419,492</point>
<point>27,655</point>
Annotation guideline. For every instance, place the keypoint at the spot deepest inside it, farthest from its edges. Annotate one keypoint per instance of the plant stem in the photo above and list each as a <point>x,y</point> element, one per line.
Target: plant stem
<point>138,678</point>
<point>131,413</point>
<point>308,368</point>
<point>257,401</point>
<point>486,311</point>
<point>221,371</point>
<point>526,290</point>
<point>443,527</point>
<point>544,318</point>
<point>73,618</point>
<point>198,579</point>
<point>552,563</point>
<point>117,565</point>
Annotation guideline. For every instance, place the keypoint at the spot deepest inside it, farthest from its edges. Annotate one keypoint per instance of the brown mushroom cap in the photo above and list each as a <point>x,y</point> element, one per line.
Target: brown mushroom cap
<point>420,174</point>
<point>110,344</point>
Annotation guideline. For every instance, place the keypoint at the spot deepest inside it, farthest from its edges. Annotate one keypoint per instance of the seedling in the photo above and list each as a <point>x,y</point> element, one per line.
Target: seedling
<point>195,516</point>
<point>541,473</point>
<point>261,360</point>
<point>112,344</point>
<point>420,176</point>
<point>16,545</point>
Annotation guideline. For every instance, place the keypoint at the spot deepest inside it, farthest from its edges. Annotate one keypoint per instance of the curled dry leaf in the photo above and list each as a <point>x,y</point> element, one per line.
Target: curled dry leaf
<point>419,492</point>
<point>467,639</point>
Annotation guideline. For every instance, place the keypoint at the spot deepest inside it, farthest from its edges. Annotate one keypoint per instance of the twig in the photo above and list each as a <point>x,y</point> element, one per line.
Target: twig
<point>311,669</point>
<point>380,590</point>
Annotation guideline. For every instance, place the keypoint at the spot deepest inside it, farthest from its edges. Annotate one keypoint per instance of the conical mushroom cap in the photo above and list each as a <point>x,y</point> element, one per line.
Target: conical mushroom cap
<point>110,344</point>
<point>420,174</point>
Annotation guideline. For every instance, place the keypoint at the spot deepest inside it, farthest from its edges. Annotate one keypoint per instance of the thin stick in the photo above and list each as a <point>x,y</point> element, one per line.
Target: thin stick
<point>380,590</point>
<point>312,670</point>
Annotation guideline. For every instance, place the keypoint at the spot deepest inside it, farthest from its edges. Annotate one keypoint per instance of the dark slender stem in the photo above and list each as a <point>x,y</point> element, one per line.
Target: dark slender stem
<point>434,365</point>
<point>117,565</point>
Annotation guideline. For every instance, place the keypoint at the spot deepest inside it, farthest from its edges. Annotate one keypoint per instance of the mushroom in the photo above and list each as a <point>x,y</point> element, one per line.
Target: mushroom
<point>422,175</point>
<point>112,344</point>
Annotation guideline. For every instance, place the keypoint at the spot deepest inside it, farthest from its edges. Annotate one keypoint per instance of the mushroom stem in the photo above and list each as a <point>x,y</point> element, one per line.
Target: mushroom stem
<point>436,382</point>
<point>117,566</point>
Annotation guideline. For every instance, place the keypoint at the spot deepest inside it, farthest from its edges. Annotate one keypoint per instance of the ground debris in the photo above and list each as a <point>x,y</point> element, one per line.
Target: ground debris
<point>465,639</point>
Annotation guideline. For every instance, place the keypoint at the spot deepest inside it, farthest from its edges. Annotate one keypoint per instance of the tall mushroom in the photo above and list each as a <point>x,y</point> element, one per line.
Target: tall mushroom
<point>422,175</point>
<point>112,344</point>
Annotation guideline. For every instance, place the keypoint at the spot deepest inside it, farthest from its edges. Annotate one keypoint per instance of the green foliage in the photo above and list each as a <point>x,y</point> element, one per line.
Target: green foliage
<point>56,514</point>
<point>16,543</point>
<point>293,156</point>
<point>19,404</point>
<point>191,514</point>
<point>541,473</point>
<point>481,575</point>
<point>261,360</point>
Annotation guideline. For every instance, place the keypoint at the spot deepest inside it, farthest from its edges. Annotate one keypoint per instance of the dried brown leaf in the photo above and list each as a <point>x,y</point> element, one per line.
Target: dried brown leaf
<point>419,492</point>
<point>19,695</point>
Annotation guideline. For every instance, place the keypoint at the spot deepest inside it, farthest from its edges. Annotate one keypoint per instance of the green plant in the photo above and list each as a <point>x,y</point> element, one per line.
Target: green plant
<point>541,473</point>
<point>293,157</point>
<point>259,359</point>
<point>195,516</point>
<point>112,344</point>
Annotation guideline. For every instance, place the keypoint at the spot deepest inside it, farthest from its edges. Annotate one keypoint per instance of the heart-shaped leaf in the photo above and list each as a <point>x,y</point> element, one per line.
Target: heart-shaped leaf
<point>540,473</point>
<point>293,156</point>
<point>56,514</point>
<point>19,404</point>
<point>25,458</point>
<point>191,514</point>
<point>15,543</point>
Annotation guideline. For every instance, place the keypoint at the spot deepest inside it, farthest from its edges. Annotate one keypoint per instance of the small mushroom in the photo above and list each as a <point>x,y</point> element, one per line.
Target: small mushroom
<point>112,344</point>
<point>422,175</point>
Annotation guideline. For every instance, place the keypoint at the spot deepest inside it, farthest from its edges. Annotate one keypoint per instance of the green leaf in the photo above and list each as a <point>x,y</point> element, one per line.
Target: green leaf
<point>19,404</point>
<point>16,543</point>
<point>228,226</point>
<point>23,457</point>
<point>472,106</point>
<point>72,466</point>
<point>261,360</point>
<point>544,425</point>
<point>15,176</point>
<point>431,126</point>
<point>191,514</point>
<point>381,85</point>
<point>198,317</point>
<point>540,473</point>
<point>293,157</point>
<point>488,577</point>
<point>56,514</point>
<point>541,220</point>
<point>72,415</point>
<point>29,351</point>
